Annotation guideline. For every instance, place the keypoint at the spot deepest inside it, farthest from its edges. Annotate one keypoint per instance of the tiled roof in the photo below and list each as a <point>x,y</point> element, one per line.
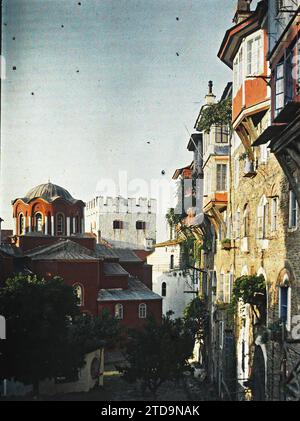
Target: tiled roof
<point>62,250</point>
<point>137,291</point>
<point>10,250</point>
<point>105,252</point>
<point>126,255</point>
<point>114,269</point>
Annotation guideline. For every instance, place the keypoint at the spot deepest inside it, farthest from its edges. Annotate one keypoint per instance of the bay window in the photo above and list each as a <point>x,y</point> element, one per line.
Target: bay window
<point>254,56</point>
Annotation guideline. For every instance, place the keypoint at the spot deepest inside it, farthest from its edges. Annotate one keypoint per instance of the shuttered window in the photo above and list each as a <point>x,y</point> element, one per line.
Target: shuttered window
<point>221,177</point>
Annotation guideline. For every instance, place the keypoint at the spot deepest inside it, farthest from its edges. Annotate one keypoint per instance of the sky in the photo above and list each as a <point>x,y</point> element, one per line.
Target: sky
<point>103,87</point>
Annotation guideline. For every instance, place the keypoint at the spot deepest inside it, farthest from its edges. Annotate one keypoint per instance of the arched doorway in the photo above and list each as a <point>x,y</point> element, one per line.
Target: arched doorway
<point>259,375</point>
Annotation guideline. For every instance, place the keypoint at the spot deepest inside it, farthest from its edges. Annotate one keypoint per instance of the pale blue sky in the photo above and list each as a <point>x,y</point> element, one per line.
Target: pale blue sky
<point>131,88</point>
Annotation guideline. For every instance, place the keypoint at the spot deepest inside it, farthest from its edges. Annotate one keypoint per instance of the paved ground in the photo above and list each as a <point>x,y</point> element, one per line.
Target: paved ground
<point>116,389</point>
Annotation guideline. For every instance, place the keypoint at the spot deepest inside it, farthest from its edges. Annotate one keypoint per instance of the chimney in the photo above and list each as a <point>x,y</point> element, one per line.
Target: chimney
<point>242,11</point>
<point>210,98</point>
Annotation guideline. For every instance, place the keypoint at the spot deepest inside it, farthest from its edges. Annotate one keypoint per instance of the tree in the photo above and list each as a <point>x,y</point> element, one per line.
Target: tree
<point>47,336</point>
<point>158,353</point>
<point>219,114</point>
<point>37,314</point>
<point>196,317</point>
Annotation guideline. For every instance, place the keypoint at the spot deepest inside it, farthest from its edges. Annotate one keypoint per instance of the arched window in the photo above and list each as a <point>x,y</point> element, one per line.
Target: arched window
<point>38,222</point>
<point>163,289</point>
<point>119,311</point>
<point>77,225</point>
<point>79,293</point>
<point>172,261</point>
<point>60,224</point>
<point>143,311</point>
<point>246,221</point>
<point>21,224</point>
<point>285,294</point>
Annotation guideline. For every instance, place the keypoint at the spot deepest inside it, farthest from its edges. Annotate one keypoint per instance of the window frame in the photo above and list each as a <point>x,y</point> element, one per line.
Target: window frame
<point>221,177</point>
<point>164,289</point>
<point>118,224</point>
<point>274,216</point>
<point>36,219</point>
<point>21,217</point>
<point>293,224</point>
<point>257,42</point>
<point>81,302</point>
<point>63,224</point>
<point>119,311</point>
<point>143,313</point>
<point>288,305</point>
<point>140,225</point>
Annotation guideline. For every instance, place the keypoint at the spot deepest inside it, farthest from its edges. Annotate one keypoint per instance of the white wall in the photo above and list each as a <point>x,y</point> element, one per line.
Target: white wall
<point>101,212</point>
<point>177,281</point>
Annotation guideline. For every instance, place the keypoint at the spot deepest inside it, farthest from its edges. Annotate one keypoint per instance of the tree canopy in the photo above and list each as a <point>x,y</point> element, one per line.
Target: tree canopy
<point>219,114</point>
<point>47,336</point>
<point>158,353</point>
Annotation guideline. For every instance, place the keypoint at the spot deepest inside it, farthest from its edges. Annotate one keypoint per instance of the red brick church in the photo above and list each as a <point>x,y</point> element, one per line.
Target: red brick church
<point>50,240</point>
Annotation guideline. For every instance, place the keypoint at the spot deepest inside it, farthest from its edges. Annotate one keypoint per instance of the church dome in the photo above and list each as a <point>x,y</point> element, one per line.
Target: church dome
<point>48,192</point>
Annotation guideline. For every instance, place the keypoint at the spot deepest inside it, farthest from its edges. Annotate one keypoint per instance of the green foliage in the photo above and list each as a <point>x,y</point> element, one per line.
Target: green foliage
<point>243,156</point>
<point>37,314</point>
<point>172,217</point>
<point>47,336</point>
<point>88,333</point>
<point>196,317</point>
<point>158,353</point>
<point>249,288</point>
<point>216,115</point>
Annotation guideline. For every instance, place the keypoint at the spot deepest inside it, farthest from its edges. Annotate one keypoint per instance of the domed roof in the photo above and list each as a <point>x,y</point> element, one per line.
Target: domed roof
<point>48,192</point>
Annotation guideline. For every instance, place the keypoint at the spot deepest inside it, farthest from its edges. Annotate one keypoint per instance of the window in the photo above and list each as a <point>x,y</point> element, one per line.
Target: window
<point>119,311</point>
<point>221,288</point>
<point>38,222</point>
<point>240,68</point>
<point>221,177</point>
<point>254,56</point>
<point>228,287</point>
<point>246,221</point>
<point>285,305</point>
<point>221,134</point>
<point>77,225</point>
<point>279,88</point>
<point>172,261</point>
<point>238,224</point>
<point>142,311</point>
<point>118,225</point>
<point>238,71</point>
<point>221,334</point>
<point>274,214</point>
<point>60,224</point>
<point>79,293</point>
<point>163,289</point>
<point>293,210</point>
<point>21,224</point>
<point>262,218</point>
<point>140,225</point>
